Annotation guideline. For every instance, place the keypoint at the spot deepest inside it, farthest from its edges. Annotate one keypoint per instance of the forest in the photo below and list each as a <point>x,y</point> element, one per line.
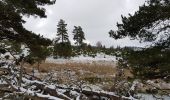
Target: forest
<point>34,67</point>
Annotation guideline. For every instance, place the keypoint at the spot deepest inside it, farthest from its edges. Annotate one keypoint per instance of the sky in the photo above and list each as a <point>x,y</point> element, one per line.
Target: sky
<point>96,17</point>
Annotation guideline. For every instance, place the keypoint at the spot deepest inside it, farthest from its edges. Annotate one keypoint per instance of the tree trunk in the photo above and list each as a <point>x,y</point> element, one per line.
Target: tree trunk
<point>38,66</point>
<point>21,73</point>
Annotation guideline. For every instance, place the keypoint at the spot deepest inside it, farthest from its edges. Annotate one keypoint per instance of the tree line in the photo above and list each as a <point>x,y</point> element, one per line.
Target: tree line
<point>62,46</point>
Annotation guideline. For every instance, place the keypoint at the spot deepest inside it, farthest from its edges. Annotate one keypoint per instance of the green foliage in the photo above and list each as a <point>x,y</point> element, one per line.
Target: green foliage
<point>62,45</point>
<point>78,35</point>
<point>11,21</point>
<point>62,31</point>
<point>151,24</point>
<point>147,63</point>
<point>63,50</point>
<point>12,47</point>
<point>39,53</point>
<point>13,32</point>
<point>109,51</point>
<point>29,7</point>
<point>144,25</point>
<point>91,51</point>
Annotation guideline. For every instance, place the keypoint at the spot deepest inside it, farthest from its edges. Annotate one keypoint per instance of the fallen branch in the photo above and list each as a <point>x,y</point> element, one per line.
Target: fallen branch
<point>36,96</point>
<point>53,92</point>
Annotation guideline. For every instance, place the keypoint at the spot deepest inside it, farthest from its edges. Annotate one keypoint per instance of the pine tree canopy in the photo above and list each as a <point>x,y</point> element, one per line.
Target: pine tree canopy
<point>11,22</point>
<point>149,24</point>
<point>62,45</point>
<point>62,31</point>
<point>78,35</point>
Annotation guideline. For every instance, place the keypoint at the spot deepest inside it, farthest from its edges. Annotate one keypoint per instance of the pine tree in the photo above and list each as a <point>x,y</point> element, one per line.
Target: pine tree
<point>78,35</point>
<point>11,22</point>
<point>62,46</point>
<point>62,31</point>
<point>39,54</point>
<point>149,24</point>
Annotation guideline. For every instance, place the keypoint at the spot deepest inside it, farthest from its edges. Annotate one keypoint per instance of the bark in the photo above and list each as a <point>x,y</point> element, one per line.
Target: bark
<point>38,65</point>
<point>21,73</point>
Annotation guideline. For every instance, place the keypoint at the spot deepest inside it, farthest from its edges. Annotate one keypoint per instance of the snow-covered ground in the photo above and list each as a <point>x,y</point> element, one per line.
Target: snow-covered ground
<point>100,58</point>
<point>151,97</point>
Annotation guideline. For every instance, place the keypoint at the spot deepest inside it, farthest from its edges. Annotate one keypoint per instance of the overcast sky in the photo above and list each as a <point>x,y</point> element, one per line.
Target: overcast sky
<point>96,17</point>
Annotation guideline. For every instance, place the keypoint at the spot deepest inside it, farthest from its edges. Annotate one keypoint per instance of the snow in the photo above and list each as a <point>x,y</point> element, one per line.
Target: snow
<point>61,90</point>
<point>95,88</point>
<point>134,85</point>
<point>52,86</point>
<point>102,58</point>
<point>12,30</point>
<point>25,51</point>
<point>90,87</point>
<point>48,96</point>
<point>3,82</point>
<point>38,94</point>
<point>31,82</point>
<point>150,97</point>
<point>78,97</point>
<point>160,84</point>
<point>6,54</point>
<point>130,98</point>
<point>74,93</point>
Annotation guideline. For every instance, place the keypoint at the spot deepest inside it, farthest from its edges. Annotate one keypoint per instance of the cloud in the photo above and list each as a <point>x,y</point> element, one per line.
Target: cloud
<point>96,17</point>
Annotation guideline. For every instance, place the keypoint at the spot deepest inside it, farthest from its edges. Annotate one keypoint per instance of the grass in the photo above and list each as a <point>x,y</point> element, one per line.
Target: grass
<point>101,69</point>
<point>93,73</point>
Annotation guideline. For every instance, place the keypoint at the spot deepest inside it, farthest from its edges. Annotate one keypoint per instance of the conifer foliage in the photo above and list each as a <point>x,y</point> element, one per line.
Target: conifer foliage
<point>11,22</point>
<point>78,35</point>
<point>62,46</point>
<point>149,24</point>
<point>62,31</point>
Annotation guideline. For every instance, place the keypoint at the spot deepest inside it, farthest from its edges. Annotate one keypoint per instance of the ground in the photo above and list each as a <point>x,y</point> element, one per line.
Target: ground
<point>98,73</point>
<point>95,71</point>
<point>90,74</point>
